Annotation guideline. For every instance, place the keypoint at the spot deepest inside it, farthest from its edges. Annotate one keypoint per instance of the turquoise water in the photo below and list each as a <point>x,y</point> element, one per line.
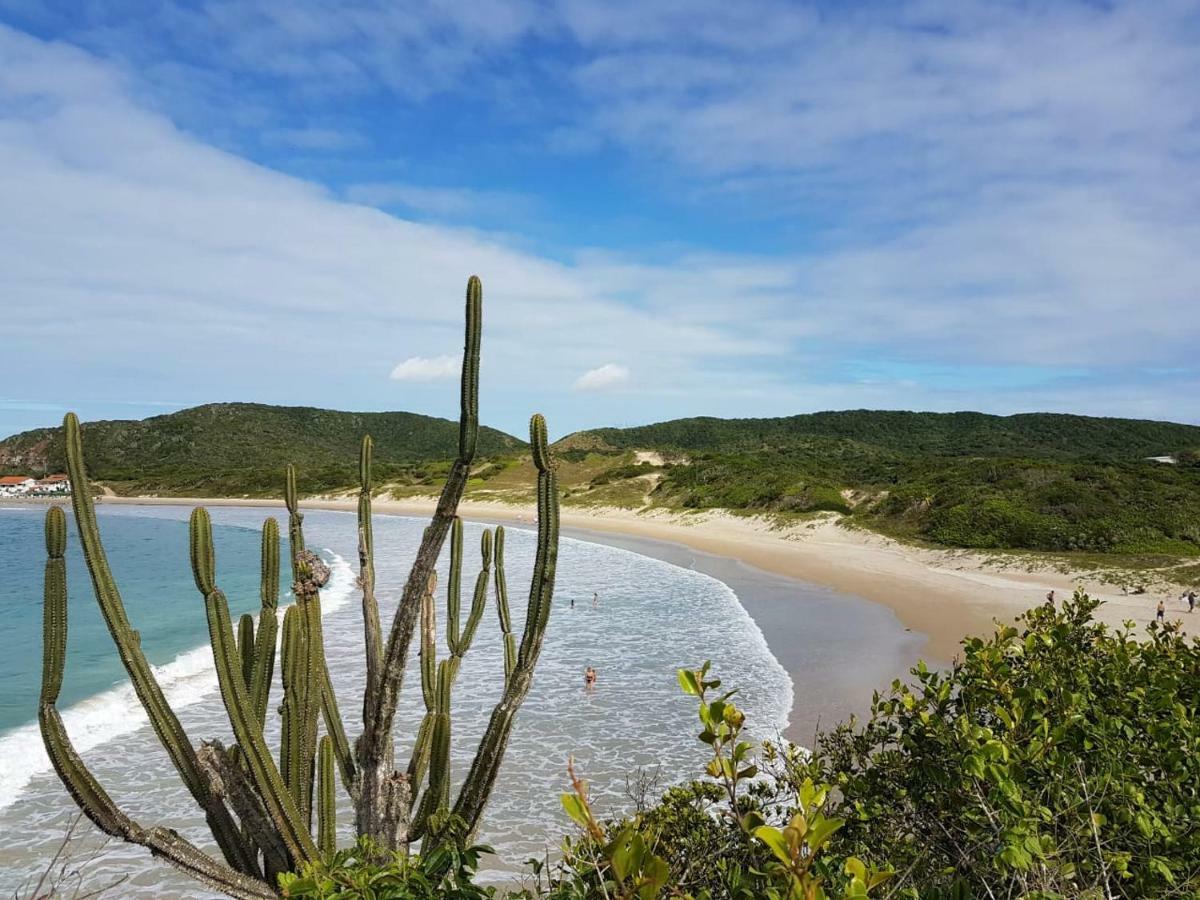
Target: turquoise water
<point>149,558</point>
<point>652,618</point>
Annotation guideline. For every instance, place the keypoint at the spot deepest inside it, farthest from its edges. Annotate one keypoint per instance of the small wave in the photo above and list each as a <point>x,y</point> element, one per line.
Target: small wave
<point>185,680</point>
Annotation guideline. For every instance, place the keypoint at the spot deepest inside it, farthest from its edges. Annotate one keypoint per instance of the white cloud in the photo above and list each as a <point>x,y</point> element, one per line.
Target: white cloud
<point>440,202</point>
<point>315,138</point>
<point>602,378</point>
<point>421,368</point>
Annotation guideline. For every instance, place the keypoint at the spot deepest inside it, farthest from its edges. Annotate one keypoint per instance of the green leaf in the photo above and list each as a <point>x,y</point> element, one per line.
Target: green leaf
<point>689,681</point>
<point>576,810</point>
<point>774,839</point>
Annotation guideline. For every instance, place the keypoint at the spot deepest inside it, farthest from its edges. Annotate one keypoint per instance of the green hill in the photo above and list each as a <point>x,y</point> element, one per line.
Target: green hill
<point>242,448</point>
<point>1048,435</point>
<point>1035,481</point>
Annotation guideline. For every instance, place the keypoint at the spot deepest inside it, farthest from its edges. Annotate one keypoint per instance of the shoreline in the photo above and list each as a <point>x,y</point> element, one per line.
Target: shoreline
<point>942,595</point>
<point>938,597</point>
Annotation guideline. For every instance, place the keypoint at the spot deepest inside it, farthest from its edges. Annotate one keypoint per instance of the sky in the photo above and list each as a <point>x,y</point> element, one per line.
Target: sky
<point>677,207</point>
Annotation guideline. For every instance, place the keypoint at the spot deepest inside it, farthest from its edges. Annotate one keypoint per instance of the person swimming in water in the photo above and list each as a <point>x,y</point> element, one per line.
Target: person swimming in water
<point>595,600</point>
<point>589,679</point>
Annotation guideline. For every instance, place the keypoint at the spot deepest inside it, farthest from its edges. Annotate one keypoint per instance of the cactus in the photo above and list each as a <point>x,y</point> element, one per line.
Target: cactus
<point>510,642</point>
<point>259,809</point>
<point>326,801</point>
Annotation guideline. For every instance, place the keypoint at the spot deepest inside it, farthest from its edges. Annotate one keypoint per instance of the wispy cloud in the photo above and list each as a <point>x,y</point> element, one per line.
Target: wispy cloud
<point>439,202</point>
<point>315,138</point>
<point>602,378</point>
<point>420,368</point>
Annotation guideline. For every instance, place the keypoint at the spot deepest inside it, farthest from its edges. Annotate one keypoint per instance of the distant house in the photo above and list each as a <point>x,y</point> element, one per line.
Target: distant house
<point>53,484</point>
<point>16,485</point>
<point>1169,460</point>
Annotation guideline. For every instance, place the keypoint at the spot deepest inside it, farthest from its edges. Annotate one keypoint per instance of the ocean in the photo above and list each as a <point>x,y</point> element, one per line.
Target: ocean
<point>652,618</point>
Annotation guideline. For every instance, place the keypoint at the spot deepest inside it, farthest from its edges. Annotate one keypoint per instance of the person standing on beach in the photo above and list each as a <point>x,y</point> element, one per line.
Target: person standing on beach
<point>1191,597</point>
<point>1050,597</point>
<point>1162,612</point>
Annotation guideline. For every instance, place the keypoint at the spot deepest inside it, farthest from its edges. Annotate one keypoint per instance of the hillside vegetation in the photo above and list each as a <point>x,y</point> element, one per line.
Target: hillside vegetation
<point>242,448</point>
<point>1036,481</point>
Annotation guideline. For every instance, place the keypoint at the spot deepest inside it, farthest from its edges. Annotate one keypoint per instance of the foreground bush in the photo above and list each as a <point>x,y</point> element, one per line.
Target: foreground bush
<point>1057,759</point>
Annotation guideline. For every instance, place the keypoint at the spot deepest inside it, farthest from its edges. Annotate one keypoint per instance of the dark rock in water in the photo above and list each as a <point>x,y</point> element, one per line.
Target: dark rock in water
<point>318,572</point>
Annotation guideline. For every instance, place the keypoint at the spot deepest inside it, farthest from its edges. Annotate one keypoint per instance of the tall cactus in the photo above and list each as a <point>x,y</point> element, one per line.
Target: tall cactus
<point>261,812</point>
<point>165,723</point>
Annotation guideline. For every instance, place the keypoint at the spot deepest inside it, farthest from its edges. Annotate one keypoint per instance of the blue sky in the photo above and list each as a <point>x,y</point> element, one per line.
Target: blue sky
<point>677,208</point>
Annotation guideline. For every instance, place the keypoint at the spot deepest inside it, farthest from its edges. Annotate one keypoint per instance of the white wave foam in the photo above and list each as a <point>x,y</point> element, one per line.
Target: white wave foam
<point>185,680</point>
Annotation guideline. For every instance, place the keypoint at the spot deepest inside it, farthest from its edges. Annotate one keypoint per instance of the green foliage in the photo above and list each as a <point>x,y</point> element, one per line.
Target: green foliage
<point>984,503</point>
<point>1040,435</point>
<point>365,872</point>
<point>1057,759</point>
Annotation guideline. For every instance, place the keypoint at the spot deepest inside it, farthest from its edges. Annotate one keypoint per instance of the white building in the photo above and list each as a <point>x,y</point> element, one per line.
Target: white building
<point>53,484</point>
<point>16,485</point>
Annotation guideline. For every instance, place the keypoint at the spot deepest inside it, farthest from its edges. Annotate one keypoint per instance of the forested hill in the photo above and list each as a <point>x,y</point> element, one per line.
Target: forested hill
<point>1036,435</point>
<point>244,447</point>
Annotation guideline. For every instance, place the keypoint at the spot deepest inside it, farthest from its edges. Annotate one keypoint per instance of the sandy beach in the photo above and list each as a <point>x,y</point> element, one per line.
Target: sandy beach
<point>941,595</point>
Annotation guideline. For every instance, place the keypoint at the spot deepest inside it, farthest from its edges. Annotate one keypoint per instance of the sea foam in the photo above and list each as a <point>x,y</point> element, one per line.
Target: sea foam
<point>185,680</point>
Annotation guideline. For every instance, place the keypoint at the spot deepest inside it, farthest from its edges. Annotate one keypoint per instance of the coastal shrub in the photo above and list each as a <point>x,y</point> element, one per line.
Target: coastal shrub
<point>368,872</point>
<point>1058,758</point>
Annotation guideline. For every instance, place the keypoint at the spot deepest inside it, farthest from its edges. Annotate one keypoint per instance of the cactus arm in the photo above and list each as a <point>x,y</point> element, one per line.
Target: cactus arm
<point>263,772</point>
<point>245,646</point>
<point>485,767</point>
<point>342,753</point>
<point>326,807</point>
<point>268,623</point>
<point>87,793</point>
<point>379,810</point>
<point>454,586</point>
<point>166,724</point>
<point>479,598</point>
<point>419,762</point>
<point>366,569</point>
<point>288,653</point>
<point>502,611</point>
<point>436,798</point>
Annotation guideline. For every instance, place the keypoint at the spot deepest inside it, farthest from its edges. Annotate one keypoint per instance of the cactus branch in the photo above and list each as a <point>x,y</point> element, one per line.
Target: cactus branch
<point>377,808</point>
<point>510,643</point>
<point>165,723</point>
<point>263,772</point>
<point>485,767</point>
<point>326,805</point>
